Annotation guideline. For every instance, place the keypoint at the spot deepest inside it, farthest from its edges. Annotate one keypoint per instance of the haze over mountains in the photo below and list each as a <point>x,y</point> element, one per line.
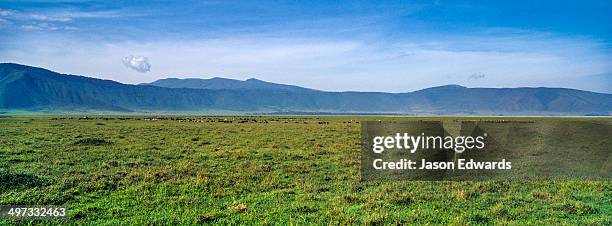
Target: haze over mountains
<point>224,83</point>
<point>37,90</point>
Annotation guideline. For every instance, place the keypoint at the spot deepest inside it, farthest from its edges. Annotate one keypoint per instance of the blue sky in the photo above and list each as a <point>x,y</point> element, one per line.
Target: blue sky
<point>393,46</point>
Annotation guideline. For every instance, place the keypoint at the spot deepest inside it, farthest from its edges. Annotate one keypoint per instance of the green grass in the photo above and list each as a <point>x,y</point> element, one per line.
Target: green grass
<point>281,169</point>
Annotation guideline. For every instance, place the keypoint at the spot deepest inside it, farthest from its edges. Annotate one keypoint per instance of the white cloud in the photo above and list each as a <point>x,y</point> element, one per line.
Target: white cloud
<point>138,63</point>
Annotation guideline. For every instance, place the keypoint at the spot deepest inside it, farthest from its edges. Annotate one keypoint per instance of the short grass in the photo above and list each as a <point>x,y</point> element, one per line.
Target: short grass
<point>253,170</point>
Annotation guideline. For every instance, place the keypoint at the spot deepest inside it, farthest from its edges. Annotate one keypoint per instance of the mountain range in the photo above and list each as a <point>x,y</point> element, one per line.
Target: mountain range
<point>37,90</point>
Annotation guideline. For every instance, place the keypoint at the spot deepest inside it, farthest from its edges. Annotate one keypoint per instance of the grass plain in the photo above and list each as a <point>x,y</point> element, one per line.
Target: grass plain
<point>253,170</point>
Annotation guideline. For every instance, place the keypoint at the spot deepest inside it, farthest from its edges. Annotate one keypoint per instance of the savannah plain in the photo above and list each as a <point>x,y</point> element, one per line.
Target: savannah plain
<point>254,170</point>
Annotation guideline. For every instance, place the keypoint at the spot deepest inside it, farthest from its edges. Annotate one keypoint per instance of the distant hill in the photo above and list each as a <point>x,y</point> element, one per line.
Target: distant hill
<point>31,89</point>
<point>224,83</point>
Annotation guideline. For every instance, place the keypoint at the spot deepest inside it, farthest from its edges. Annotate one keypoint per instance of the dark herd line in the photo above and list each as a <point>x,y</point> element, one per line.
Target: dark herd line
<point>210,119</point>
<point>254,119</point>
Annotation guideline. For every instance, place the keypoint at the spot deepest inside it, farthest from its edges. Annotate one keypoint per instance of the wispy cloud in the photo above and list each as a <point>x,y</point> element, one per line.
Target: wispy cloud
<point>19,15</point>
<point>51,20</point>
<point>6,13</point>
<point>46,26</point>
<point>4,23</point>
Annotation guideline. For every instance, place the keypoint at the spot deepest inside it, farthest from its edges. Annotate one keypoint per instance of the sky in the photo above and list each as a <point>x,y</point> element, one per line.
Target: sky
<point>390,46</point>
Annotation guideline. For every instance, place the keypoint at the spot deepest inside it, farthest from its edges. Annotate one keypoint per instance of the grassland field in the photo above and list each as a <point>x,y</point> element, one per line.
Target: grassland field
<point>254,170</point>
